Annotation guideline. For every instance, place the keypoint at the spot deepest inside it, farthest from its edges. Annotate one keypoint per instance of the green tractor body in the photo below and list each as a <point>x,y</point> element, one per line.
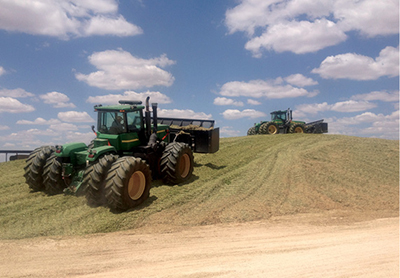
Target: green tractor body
<point>116,168</point>
<point>282,122</point>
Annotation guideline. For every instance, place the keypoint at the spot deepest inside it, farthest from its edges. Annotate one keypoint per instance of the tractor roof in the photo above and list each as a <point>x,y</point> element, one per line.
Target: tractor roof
<point>124,106</point>
<point>278,111</point>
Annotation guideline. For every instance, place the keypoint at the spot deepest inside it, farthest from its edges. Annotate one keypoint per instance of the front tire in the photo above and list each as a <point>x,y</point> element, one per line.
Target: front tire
<point>269,128</point>
<point>177,163</point>
<point>251,131</point>
<point>128,183</point>
<point>297,128</point>
<point>52,176</point>
<point>94,179</point>
<point>35,164</point>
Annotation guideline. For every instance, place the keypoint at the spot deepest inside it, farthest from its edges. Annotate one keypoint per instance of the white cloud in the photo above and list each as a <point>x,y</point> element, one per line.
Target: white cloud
<point>38,121</point>
<point>312,108</point>
<point>271,89</point>
<point>359,67</point>
<point>2,71</point>
<point>58,100</point>
<point>275,24</point>
<point>369,124</point>
<point>227,101</point>
<point>119,70</point>
<point>79,137</point>
<point>233,114</point>
<point>65,18</point>
<point>253,102</point>
<point>370,17</point>
<point>229,131</point>
<point>4,127</point>
<point>187,113</point>
<point>104,25</point>
<point>300,80</point>
<point>344,106</point>
<point>11,105</point>
<point>15,93</point>
<point>63,127</point>
<point>352,106</point>
<point>75,117</point>
<point>297,37</point>
<point>378,95</point>
<point>155,97</point>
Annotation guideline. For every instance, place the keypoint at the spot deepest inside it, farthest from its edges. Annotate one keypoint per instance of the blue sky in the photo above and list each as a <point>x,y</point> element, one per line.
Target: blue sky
<point>231,61</point>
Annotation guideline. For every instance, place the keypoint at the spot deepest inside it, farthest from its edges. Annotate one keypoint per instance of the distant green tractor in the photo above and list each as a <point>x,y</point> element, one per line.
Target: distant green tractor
<point>117,167</point>
<point>281,122</point>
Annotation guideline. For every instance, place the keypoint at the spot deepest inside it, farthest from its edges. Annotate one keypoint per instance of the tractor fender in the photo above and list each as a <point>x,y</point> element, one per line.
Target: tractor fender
<point>94,153</point>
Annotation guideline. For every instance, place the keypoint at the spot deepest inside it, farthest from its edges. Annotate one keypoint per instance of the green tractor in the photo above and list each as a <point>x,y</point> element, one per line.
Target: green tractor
<point>117,167</point>
<point>282,122</point>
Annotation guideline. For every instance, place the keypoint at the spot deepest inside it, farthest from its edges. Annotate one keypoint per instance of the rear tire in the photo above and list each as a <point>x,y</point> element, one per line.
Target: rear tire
<point>177,163</point>
<point>94,179</point>
<point>128,183</point>
<point>297,128</point>
<point>34,167</point>
<point>52,176</point>
<point>269,128</point>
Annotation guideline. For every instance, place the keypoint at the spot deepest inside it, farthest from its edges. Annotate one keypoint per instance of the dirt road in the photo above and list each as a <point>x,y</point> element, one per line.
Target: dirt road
<point>257,249</point>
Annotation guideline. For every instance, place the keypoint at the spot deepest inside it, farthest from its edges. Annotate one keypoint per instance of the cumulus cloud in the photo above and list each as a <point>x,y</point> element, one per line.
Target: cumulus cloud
<point>271,89</point>
<point>227,101</point>
<point>234,114</point>
<point>119,70</point>
<point>58,100</point>
<point>378,95</point>
<point>253,102</point>
<point>15,93</point>
<point>369,124</point>
<point>63,127</point>
<point>187,113</point>
<point>359,67</point>
<point>75,117</point>
<point>352,106</point>
<point>229,131</point>
<point>155,97</point>
<point>300,80</point>
<point>4,127</point>
<point>2,71</point>
<point>343,106</point>
<point>371,18</point>
<point>276,25</point>
<point>38,121</point>
<point>12,105</point>
<point>65,18</point>
<point>298,37</point>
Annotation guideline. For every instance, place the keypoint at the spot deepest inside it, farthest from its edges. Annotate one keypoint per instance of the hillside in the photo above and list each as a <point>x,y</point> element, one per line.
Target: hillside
<point>250,178</point>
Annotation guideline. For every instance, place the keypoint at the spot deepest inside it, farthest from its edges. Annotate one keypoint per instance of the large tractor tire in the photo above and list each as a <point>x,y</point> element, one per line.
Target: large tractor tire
<point>128,183</point>
<point>94,179</point>
<point>177,163</point>
<point>297,128</point>
<point>34,167</point>
<point>251,131</point>
<point>269,128</point>
<point>52,176</point>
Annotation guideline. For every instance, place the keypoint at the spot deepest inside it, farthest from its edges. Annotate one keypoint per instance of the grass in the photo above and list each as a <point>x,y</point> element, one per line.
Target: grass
<point>249,178</point>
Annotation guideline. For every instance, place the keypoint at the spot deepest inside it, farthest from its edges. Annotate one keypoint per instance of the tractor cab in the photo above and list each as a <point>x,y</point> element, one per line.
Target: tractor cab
<point>281,116</point>
<point>124,126</point>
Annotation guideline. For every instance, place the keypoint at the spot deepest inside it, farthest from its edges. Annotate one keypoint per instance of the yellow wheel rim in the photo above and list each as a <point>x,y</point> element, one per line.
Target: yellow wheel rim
<point>136,186</point>
<point>184,165</point>
<point>298,130</point>
<point>272,129</point>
